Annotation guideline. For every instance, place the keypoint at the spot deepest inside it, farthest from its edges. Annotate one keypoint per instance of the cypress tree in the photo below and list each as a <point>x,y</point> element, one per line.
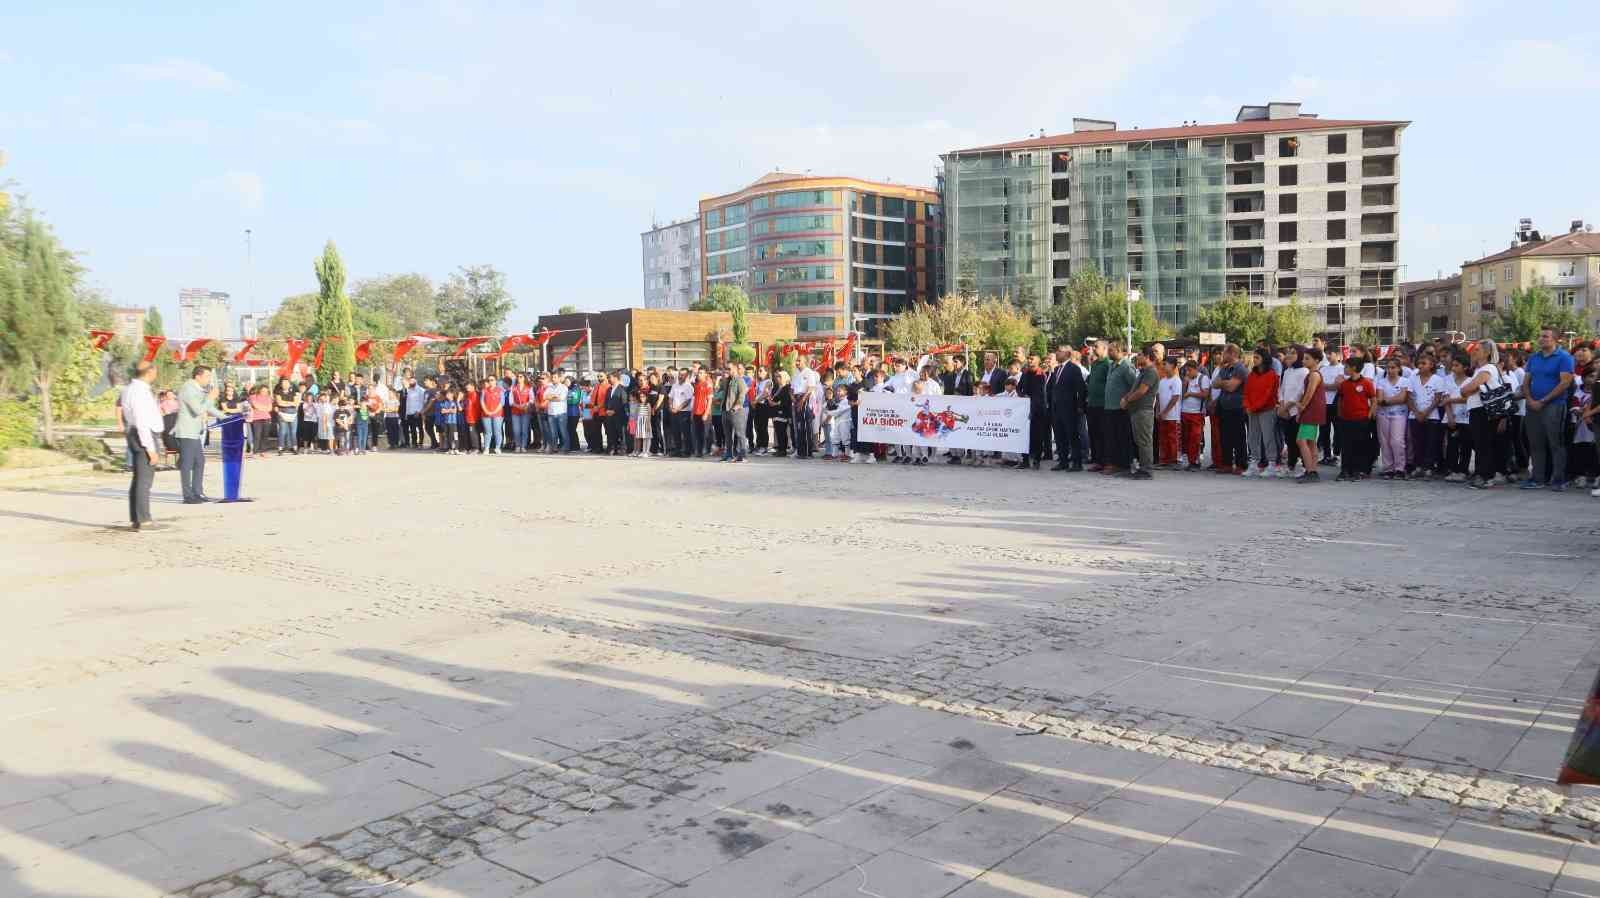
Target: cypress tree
<point>334,318</point>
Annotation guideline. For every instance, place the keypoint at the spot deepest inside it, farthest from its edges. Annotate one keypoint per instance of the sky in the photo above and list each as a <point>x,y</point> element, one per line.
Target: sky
<point>543,138</point>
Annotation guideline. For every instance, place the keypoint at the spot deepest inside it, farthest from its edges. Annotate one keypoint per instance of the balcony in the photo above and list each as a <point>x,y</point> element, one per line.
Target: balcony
<point>1576,279</point>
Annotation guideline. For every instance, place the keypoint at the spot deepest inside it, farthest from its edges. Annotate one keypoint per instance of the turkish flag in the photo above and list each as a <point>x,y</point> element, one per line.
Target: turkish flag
<point>467,344</point>
<point>99,339</point>
<point>238,357</point>
<point>296,349</point>
<point>152,345</point>
<point>363,350</point>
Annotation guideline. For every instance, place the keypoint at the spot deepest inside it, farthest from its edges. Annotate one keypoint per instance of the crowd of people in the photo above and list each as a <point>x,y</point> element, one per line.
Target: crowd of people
<point>1470,414</point>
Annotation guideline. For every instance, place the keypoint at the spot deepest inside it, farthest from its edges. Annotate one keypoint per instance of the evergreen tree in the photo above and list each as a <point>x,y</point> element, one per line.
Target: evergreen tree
<point>333,320</point>
<point>39,319</point>
<point>153,326</point>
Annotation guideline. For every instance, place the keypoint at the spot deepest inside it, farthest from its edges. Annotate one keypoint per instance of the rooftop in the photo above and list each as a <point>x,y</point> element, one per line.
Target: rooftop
<point>1580,243</point>
<point>1254,126</point>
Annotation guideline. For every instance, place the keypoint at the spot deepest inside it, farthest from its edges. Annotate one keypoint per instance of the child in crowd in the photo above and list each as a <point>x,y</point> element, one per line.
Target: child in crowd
<point>343,419</point>
<point>1581,460</point>
<point>1261,407</point>
<point>1458,439</point>
<point>1356,410</point>
<point>325,421</point>
<point>1394,407</point>
<point>837,417</point>
<point>448,407</point>
<point>1169,393</point>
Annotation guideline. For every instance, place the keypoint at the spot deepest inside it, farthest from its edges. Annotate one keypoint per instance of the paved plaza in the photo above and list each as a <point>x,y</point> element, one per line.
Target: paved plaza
<point>519,676</point>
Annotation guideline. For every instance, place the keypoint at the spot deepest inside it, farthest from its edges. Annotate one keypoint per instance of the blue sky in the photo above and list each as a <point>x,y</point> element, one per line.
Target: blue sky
<point>544,138</point>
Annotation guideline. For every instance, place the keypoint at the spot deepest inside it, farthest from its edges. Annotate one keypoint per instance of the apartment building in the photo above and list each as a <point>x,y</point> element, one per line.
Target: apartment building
<point>203,313</point>
<point>1277,203</point>
<point>1567,265</point>
<point>1432,308</point>
<point>128,322</point>
<point>840,254</point>
<point>672,264</point>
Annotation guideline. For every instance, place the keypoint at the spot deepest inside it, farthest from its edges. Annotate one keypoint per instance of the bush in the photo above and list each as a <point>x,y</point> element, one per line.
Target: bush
<point>85,449</point>
<point>743,353</point>
<point>18,424</point>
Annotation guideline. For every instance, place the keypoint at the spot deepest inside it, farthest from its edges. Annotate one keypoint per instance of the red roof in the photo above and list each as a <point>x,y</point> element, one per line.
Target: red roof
<point>1254,126</point>
<point>1571,244</point>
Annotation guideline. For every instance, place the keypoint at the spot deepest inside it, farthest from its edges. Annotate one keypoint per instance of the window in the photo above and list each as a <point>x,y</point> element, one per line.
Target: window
<point>789,249</point>
<point>894,207</point>
<point>795,199</point>
<point>1287,232</point>
<point>793,299</point>
<point>784,224</point>
<point>760,204</point>
<point>1286,260</point>
<point>1566,299</point>
<point>1288,175</point>
<point>662,353</point>
<point>1336,201</point>
<point>1336,173</point>
<point>1336,144</point>
<point>1103,155</point>
<point>1508,277</point>
<point>714,218</point>
<point>810,324</point>
<point>1288,202</point>
<point>1472,279</point>
<point>735,214</point>
<point>1288,145</point>
<point>790,273</point>
<point>1336,285</point>
<point>1336,257</point>
<point>1336,229</point>
<point>869,203</point>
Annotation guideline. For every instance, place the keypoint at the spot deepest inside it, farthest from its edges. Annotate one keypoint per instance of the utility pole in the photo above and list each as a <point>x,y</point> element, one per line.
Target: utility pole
<point>1133,297</point>
<point>249,274</point>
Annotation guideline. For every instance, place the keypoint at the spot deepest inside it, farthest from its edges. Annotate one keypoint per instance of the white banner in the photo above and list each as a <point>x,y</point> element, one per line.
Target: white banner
<point>992,424</point>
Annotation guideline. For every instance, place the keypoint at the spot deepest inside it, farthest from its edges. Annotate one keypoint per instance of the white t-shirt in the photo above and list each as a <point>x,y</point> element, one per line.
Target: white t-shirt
<point>1515,377</point>
<point>931,387</point>
<point>1581,432</point>
<point>681,398</point>
<point>804,383</point>
<point>1292,385</point>
<point>1194,405</point>
<point>555,396</point>
<point>1391,391</point>
<point>1168,389</point>
<point>1331,373</point>
<point>1452,390</point>
<point>1492,381</point>
<point>1425,391</point>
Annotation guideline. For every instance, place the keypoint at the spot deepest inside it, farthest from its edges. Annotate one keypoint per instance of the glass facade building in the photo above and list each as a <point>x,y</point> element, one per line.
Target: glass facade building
<point>840,254</point>
<point>1276,205</point>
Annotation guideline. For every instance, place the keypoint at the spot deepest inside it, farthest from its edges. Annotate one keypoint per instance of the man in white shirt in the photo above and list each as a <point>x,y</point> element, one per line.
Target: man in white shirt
<point>680,402</point>
<point>804,385</point>
<point>142,418</point>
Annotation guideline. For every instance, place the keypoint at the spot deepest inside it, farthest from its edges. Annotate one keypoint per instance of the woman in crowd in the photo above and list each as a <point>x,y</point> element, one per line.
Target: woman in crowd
<point>307,441</point>
<point>1488,434</point>
<point>286,402</point>
<point>1427,392</point>
<point>520,406</point>
<point>782,403</point>
<point>260,418</point>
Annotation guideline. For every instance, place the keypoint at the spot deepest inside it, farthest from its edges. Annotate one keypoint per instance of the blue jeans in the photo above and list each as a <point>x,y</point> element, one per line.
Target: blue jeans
<point>555,433</point>
<point>547,426</point>
<point>519,431</point>
<point>286,435</point>
<point>361,434</point>
<point>494,433</point>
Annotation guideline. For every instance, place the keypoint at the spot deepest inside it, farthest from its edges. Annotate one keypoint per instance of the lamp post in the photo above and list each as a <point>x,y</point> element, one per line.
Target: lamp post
<point>1133,297</point>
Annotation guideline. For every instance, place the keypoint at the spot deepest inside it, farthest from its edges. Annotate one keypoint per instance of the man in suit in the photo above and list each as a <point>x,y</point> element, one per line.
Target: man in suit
<point>993,374</point>
<point>196,400</point>
<point>1067,391</point>
<point>1032,385</point>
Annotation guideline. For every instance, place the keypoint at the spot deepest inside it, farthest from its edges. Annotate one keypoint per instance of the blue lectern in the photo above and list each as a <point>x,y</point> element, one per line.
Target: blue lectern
<point>232,457</point>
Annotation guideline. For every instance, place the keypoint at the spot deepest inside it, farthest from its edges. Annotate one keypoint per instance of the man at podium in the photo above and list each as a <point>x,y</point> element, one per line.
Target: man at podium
<point>196,400</point>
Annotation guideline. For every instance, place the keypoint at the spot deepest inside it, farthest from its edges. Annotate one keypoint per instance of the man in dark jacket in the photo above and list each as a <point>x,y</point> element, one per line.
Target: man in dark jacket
<point>1032,385</point>
<point>616,416</point>
<point>1067,393</point>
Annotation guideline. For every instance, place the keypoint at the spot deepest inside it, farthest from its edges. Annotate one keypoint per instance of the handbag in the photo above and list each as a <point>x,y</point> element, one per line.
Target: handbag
<point>1499,401</point>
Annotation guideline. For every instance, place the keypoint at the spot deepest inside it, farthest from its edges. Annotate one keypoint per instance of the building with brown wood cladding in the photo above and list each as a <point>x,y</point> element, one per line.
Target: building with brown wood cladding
<point>640,338</point>
<point>837,254</point>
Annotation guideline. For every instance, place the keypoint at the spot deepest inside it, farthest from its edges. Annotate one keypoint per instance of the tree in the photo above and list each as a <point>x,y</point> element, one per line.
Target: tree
<point>728,298</point>
<point>153,327</point>
<point>295,317</point>
<point>334,323</point>
<point>1233,316</point>
<point>1106,316</point>
<point>1531,310</point>
<point>401,303</point>
<point>1364,336</point>
<point>953,319</point>
<point>473,302</point>
<point>568,309</point>
<point>1004,326</point>
<point>1292,324</point>
<point>39,320</point>
<point>1086,285</point>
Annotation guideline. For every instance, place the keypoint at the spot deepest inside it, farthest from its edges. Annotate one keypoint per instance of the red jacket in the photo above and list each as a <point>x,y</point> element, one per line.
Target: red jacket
<point>1260,391</point>
<point>469,404</point>
<point>493,400</point>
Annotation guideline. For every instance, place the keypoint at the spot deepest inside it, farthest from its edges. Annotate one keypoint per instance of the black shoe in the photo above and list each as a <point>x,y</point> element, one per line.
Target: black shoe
<point>1077,468</point>
<point>1142,474</point>
<point>1308,477</point>
<point>194,501</point>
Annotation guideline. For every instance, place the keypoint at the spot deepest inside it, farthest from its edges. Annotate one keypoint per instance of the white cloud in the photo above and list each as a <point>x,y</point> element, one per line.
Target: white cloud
<point>241,187</point>
<point>193,130</point>
<point>286,126</point>
<point>187,72</point>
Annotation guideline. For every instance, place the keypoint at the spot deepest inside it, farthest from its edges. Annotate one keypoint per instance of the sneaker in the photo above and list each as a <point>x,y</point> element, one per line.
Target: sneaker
<point>1342,478</point>
<point>1142,474</point>
<point>1498,480</point>
<point>1250,471</point>
<point>1584,483</point>
<point>872,459</point>
<point>1529,484</point>
<point>1476,484</point>
<point>1457,477</point>
<point>1193,467</point>
<point>1595,492</point>
<point>1282,471</point>
<point>1560,487</point>
<point>1308,477</point>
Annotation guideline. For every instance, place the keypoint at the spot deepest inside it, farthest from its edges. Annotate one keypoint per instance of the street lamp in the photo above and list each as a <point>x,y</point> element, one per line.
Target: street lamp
<point>1133,297</point>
